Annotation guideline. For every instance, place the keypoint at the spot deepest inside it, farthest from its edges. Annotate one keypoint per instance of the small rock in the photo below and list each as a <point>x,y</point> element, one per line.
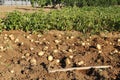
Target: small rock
<point>50,58</point>
<point>80,63</point>
<point>41,53</point>
<point>0,56</point>
<point>98,46</point>
<point>33,61</point>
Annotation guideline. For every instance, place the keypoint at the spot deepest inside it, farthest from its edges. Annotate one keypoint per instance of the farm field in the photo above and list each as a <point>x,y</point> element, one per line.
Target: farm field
<point>4,10</point>
<point>34,43</point>
<point>25,56</point>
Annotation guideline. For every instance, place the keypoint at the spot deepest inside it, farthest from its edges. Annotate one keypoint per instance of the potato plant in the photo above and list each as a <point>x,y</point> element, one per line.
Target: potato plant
<point>86,19</point>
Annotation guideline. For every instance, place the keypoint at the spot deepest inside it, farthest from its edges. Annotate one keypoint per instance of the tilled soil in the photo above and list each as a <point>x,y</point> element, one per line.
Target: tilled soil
<point>26,56</point>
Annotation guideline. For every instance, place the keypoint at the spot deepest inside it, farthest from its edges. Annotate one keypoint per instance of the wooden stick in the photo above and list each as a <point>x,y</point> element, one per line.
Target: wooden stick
<point>77,68</point>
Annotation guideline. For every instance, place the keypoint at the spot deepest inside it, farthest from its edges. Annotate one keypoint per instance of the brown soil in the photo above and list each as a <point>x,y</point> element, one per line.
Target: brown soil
<point>20,57</point>
<point>6,9</point>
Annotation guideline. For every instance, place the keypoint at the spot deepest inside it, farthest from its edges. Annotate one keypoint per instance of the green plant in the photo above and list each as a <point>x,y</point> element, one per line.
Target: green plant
<point>85,19</point>
<point>78,3</point>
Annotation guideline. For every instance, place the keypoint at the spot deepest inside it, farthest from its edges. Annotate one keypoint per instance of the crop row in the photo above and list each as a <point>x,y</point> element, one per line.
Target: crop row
<point>86,19</point>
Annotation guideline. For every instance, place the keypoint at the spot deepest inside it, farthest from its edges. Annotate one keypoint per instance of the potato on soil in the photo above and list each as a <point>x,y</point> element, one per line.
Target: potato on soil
<point>45,48</point>
<point>31,40</point>
<point>71,56</point>
<point>57,60</point>
<point>70,50</point>
<point>12,71</point>
<point>16,40</point>
<point>39,35</point>
<point>80,63</point>
<point>55,51</point>
<point>50,58</point>
<point>72,37</point>
<point>83,44</point>
<point>57,41</point>
<point>11,37</point>
<point>118,40</point>
<point>33,61</point>
<point>31,48</point>
<point>1,48</point>
<point>27,54</point>
<point>41,53</point>
<point>98,46</point>
<point>28,37</point>
<point>68,61</point>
